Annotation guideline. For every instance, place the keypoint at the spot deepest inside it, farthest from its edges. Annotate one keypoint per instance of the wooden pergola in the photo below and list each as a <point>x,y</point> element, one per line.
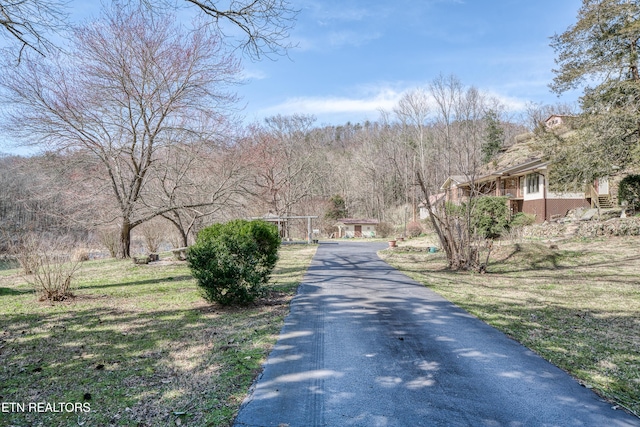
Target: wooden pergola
<point>279,220</point>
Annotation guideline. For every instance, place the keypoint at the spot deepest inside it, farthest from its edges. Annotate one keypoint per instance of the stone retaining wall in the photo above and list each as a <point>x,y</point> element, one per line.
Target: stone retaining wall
<point>610,227</point>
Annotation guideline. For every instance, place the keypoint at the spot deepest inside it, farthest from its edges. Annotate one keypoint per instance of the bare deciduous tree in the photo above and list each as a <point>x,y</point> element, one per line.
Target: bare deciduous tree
<point>263,25</point>
<point>258,27</point>
<point>282,154</point>
<point>459,139</point>
<point>32,22</point>
<point>133,85</point>
<point>413,111</point>
<point>200,179</point>
<point>445,91</point>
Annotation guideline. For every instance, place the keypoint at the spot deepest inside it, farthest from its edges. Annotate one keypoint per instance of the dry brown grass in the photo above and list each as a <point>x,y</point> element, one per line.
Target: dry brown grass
<point>578,305</point>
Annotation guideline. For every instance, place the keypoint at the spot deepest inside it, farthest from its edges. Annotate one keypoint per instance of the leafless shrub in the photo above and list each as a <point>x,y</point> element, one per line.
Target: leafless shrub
<point>80,254</point>
<point>384,229</point>
<point>110,239</point>
<point>414,229</point>
<point>52,278</point>
<point>49,264</point>
<point>513,235</point>
<point>25,250</point>
<point>153,234</point>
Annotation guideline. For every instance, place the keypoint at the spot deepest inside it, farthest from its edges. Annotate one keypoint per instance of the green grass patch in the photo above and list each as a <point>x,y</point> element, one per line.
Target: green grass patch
<point>577,305</point>
<point>138,345</point>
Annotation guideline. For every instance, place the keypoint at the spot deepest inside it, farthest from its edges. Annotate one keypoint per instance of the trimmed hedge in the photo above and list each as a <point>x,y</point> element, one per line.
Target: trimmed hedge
<point>233,261</point>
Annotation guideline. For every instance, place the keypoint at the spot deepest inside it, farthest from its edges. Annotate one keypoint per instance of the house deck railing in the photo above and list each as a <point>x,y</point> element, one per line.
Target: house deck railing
<point>591,193</point>
<point>598,201</point>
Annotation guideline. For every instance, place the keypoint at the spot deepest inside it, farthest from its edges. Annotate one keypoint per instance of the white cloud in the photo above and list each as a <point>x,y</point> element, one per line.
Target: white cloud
<point>510,103</point>
<point>352,38</point>
<point>371,103</point>
<point>254,75</point>
<point>366,104</point>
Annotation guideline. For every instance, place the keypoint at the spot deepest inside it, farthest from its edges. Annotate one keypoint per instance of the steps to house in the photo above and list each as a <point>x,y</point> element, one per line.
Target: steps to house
<point>605,202</point>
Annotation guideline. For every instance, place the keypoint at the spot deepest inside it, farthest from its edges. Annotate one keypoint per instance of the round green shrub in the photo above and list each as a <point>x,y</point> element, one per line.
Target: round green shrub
<point>233,261</point>
<point>522,219</point>
<point>629,191</point>
<point>490,216</point>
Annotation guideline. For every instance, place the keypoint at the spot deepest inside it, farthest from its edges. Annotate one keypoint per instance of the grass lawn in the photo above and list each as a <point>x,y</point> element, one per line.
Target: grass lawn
<point>137,345</point>
<point>577,306</point>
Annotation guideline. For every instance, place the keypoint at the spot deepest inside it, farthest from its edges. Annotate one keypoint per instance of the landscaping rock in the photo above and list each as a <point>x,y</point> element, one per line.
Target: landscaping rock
<point>587,229</point>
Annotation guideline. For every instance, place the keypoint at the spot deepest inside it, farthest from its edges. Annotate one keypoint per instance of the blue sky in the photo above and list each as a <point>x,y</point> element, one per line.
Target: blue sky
<point>357,56</point>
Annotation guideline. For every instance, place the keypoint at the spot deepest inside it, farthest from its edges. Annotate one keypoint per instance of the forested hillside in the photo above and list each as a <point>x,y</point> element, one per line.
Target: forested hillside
<point>285,165</point>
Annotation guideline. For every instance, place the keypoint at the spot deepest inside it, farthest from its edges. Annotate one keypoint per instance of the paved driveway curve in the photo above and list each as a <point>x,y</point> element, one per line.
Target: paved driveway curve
<point>364,345</point>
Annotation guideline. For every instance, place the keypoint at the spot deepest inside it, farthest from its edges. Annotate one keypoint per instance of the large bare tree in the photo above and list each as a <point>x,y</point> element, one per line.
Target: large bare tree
<point>202,179</point>
<point>133,85</point>
<point>257,27</point>
<point>282,153</point>
<point>458,133</point>
<point>32,23</point>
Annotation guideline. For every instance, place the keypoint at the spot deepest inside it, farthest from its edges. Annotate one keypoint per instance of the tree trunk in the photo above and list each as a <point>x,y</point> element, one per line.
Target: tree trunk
<point>182,231</point>
<point>125,239</point>
<point>434,220</point>
<point>185,238</point>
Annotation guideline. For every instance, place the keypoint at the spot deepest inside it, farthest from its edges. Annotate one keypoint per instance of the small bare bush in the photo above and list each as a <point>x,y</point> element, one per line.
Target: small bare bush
<point>25,250</point>
<point>49,265</point>
<point>414,229</point>
<point>110,239</point>
<point>153,234</point>
<point>52,278</point>
<point>514,235</point>
<point>384,229</point>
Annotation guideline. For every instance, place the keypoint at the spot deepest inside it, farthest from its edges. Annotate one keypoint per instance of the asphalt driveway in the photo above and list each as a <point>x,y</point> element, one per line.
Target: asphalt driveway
<point>364,345</point>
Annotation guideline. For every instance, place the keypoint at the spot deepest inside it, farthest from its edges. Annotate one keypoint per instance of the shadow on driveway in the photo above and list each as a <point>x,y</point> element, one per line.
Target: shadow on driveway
<point>364,345</point>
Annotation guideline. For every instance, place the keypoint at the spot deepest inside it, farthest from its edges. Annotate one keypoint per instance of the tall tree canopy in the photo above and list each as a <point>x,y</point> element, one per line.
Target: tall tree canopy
<point>600,55</point>
<point>257,27</point>
<point>601,47</point>
<point>134,87</point>
<point>493,136</point>
<point>31,22</point>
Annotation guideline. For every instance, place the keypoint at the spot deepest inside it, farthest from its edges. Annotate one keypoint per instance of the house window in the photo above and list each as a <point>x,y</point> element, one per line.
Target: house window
<point>533,183</point>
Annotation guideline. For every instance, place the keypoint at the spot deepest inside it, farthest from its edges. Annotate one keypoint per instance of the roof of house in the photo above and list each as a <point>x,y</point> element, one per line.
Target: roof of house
<point>521,157</point>
<point>433,199</point>
<point>352,221</point>
<point>560,116</point>
<point>454,180</point>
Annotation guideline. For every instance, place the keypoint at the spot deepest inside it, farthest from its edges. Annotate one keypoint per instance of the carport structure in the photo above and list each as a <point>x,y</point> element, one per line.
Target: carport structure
<point>283,221</point>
